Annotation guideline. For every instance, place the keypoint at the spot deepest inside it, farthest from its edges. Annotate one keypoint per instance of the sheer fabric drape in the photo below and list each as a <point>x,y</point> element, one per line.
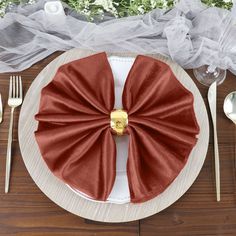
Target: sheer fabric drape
<point>191,34</point>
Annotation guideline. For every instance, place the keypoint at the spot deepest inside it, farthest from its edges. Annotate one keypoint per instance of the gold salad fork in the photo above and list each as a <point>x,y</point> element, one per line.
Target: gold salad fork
<point>14,100</point>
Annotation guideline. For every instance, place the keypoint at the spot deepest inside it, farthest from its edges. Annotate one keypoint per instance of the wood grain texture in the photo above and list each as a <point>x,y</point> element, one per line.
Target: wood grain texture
<point>27,211</point>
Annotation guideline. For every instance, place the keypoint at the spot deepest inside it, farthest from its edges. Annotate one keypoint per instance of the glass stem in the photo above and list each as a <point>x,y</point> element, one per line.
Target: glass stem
<point>211,69</point>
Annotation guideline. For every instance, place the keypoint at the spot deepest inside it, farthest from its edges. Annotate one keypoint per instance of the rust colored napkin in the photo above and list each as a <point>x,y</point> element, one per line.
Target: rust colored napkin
<point>76,140</point>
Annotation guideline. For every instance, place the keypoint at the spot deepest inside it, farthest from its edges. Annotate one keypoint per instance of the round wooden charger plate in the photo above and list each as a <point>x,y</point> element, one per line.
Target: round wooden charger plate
<point>59,193</point>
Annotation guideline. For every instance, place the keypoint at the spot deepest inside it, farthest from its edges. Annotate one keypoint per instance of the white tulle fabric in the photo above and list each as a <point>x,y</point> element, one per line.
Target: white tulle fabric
<point>191,34</point>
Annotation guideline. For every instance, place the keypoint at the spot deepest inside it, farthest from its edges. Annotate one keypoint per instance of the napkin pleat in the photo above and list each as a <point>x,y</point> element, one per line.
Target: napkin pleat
<point>159,162</point>
<point>160,129</point>
<point>151,83</point>
<point>63,101</point>
<point>67,158</point>
<point>97,92</point>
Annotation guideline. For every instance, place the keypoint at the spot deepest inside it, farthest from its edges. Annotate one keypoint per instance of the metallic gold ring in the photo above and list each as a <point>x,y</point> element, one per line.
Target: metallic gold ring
<point>119,121</point>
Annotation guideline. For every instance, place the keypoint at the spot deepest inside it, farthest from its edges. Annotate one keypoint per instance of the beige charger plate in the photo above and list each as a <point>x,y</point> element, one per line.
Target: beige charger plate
<point>59,193</point>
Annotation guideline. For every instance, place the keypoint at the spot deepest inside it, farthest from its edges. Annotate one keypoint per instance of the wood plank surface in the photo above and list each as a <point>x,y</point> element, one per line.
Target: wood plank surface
<point>27,211</point>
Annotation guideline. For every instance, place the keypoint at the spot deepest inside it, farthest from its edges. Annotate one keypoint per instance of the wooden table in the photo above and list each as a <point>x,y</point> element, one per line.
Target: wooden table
<point>27,211</point>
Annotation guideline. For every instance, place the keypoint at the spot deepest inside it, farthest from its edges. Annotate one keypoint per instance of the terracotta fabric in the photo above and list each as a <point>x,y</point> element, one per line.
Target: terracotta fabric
<point>77,142</point>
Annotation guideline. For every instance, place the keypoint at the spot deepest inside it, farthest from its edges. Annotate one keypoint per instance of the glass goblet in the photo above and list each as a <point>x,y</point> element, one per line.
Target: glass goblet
<point>208,74</point>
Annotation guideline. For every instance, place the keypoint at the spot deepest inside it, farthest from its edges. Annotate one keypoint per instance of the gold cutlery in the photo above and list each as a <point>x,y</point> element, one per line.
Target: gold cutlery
<point>212,95</point>
<point>14,100</point>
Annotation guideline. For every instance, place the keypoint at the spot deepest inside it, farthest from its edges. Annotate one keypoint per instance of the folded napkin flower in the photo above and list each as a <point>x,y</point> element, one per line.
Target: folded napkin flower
<point>78,121</point>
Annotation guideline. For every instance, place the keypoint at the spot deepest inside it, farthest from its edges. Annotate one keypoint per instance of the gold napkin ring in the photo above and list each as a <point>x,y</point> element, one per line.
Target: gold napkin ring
<point>119,121</point>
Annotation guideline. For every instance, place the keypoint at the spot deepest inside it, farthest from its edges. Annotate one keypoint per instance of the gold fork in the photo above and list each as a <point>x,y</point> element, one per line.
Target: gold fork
<point>14,100</point>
